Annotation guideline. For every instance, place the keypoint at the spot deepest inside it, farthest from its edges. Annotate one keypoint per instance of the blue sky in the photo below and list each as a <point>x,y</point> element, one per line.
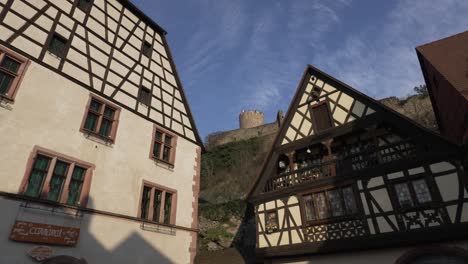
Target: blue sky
<point>250,54</point>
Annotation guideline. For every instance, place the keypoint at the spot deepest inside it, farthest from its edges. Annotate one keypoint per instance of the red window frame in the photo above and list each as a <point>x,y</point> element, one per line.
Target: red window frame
<point>172,146</point>
<point>55,156</point>
<point>24,63</point>
<point>115,120</point>
<point>150,213</point>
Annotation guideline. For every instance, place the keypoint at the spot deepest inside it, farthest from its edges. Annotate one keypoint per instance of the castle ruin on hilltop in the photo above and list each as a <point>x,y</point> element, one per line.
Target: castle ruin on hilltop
<point>251,124</point>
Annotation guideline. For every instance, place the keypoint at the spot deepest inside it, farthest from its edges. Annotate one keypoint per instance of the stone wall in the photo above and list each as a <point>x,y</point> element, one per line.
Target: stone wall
<point>221,138</point>
<point>244,133</point>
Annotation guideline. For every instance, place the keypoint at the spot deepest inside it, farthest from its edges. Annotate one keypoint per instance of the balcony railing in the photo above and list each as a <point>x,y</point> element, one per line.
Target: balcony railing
<point>368,157</point>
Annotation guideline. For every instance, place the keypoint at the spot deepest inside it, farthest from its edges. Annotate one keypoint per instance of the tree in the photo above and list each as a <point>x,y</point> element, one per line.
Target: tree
<point>421,90</point>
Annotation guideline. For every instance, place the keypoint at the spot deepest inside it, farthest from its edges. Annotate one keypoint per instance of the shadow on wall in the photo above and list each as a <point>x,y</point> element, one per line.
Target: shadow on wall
<point>245,238</point>
<point>102,239</point>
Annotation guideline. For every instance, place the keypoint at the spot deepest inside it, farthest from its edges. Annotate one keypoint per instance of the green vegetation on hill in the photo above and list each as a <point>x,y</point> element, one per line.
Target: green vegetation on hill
<point>227,170</point>
<point>224,211</point>
<point>226,173</point>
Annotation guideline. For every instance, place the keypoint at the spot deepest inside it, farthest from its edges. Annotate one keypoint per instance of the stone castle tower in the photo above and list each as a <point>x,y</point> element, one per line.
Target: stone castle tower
<point>251,125</point>
<point>249,119</point>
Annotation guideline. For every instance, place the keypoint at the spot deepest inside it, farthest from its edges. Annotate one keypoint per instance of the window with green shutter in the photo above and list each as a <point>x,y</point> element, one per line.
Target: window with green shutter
<point>76,185</point>
<point>157,204</point>
<point>167,208</point>
<point>57,178</point>
<point>163,147</point>
<point>101,119</point>
<point>12,67</point>
<point>145,201</point>
<point>37,176</point>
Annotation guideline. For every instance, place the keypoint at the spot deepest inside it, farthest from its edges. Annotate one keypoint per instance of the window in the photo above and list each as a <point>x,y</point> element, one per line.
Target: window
<point>101,118</point>
<point>158,204</point>
<point>12,68</point>
<point>147,49</point>
<point>144,96</point>
<point>328,204</point>
<point>413,193</point>
<point>321,117</point>
<point>83,5</point>
<point>271,221</point>
<point>57,178</point>
<point>58,45</point>
<point>163,146</point>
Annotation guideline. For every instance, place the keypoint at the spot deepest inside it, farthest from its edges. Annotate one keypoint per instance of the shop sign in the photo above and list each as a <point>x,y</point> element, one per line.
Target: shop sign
<point>45,234</point>
<point>40,253</point>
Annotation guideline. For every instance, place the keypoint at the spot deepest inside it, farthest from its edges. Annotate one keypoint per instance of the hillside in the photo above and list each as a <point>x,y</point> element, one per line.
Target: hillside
<point>416,107</point>
<point>227,172</point>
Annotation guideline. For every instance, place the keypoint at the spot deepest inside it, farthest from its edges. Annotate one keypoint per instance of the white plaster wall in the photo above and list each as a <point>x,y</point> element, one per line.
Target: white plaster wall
<point>103,239</point>
<point>48,111</point>
<point>294,210</point>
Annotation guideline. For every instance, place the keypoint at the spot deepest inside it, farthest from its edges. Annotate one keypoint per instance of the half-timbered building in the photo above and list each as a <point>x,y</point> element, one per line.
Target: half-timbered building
<point>99,156</point>
<point>349,180</point>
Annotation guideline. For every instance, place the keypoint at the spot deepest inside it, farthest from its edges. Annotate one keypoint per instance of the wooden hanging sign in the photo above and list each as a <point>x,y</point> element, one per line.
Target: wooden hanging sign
<point>40,253</point>
<point>44,234</point>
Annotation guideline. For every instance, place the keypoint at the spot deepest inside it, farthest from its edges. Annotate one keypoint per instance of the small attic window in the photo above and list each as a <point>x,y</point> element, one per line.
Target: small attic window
<point>321,117</point>
<point>58,45</point>
<point>84,5</point>
<point>145,96</point>
<point>147,49</point>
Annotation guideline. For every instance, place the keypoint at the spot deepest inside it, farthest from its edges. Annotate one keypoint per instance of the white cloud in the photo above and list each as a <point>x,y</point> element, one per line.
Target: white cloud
<point>382,61</point>
<point>219,29</point>
<point>281,35</point>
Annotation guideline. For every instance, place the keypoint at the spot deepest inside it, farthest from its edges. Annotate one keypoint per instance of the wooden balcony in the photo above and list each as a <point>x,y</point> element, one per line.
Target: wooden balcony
<point>341,164</point>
